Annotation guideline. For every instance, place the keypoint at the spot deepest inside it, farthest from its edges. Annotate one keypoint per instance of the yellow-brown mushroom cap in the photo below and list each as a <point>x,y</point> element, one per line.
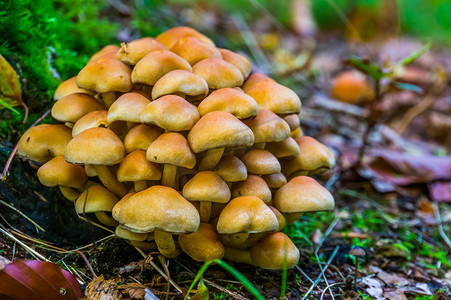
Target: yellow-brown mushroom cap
<point>156,64</point>
<point>293,120</point>
<point>159,207</point>
<point>95,199</point>
<point>68,87</point>
<point>141,137</point>
<point>118,205</point>
<point>72,107</point>
<point>268,127</point>
<point>136,167</point>
<point>275,251</point>
<point>180,82</point>
<point>275,180</point>
<point>246,214</point>
<point>172,35</point>
<point>238,60</point>
<point>261,162</point>
<point>253,186</point>
<point>90,120</point>
<point>206,186</point>
<point>194,50</point>
<point>59,172</point>
<point>218,73</point>
<point>230,100</point>
<point>280,218</point>
<point>95,146</point>
<point>105,75</point>
<point>351,87</point>
<point>286,149</point>
<point>131,53</point>
<point>202,245</point>
<point>219,129</point>
<point>275,97</point>
<point>107,50</point>
<point>303,194</point>
<point>170,112</point>
<point>231,169</point>
<point>254,79</point>
<point>128,235</point>
<point>127,107</point>
<point>43,142</point>
<point>171,148</point>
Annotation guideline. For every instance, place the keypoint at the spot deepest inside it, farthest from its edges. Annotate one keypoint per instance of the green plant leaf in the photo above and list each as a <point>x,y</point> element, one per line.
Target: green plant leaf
<point>414,55</point>
<point>202,292</point>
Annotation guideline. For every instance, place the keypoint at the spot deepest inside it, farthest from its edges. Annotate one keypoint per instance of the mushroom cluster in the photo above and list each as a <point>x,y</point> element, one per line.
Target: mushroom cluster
<point>173,142</point>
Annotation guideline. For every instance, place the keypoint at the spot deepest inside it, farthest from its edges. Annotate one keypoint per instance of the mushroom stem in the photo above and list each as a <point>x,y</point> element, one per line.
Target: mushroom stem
<point>293,217</point>
<point>205,211</point>
<point>140,185</point>
<point>110,181</point>
<point>108,98</point>
<point>166,244</point>
<point>105,219</point>
<point>69,124</point>
<point>239,255</point>
<point>211,159</point>
<point>169,176</point>
<point>69,193</point>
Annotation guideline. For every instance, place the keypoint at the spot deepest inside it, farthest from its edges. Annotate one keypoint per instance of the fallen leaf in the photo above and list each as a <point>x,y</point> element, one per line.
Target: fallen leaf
<point>100,289</point>
<point>3,262</point>
<point>395,295</point>
<point>418,288</point>
<point>374,287</point>
<point>440,191</point>
<point>389,279</point>
<point>10,93</point>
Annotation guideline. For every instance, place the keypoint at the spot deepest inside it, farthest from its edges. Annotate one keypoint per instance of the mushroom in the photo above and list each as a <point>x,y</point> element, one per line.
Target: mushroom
<point>98,200</point>
<point>141,137</point>
<point>287,149</point>
<point>128,235</point>
<point>231,169</point>
<point>172,35</point>
<point>108,50</point>
<point>68,87</point>
<point>202,245</point>
<point>274,181</point>
<point>253,186</point>
<point>255,78</point>
<point>71,108</point>
<point>351,87</point>
<point>131,53</point>
<point>260,162</point>
<point>181,83</point>
<point>275,251</point>
<point>194,50</point>
<point>238,60</point>
<point>128,108</point>
<point>218,73</point>
<point>238,255</point>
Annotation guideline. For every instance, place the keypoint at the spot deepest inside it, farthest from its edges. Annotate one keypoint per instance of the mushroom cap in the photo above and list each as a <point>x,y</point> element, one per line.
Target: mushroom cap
<point>254,79</point>
<point>241,240</point>
<point>105,75</point>
<point>260,162</point>
<point>156,64</point>
<point>246,214</point>
<point>141,137</point>
<point>271,251</point>
<point>180,82</point>
<point>206,186</point>
<point>218,73</point>
<point>95,146</point>
<point>95,199</point>
<point>118,205</point>
<point>287,149</point>
<point>268,127</point>
<point>253,186</point>
<point>303,194</point>
<point>72,107</point>
<point>219,129</point>
<point>59,172</point>
<point>202,245</point>
<point>128,235</point>
<point>351,87</point>
<point>170,112</point>
<point>275,97</point>
<point>238,60</point>
<point>293,120</point>
<point>275,180</point>
<point>230,100</point>
<point>171,148</point>
<point>159,207</point>
<point>132,52</point>
<point>68,87</point>
<point>135,167</point>
<point>280,218</point>
<point>231,169</point>
<point>43,142</point>
<point>90,120</point>
<point>194,50</point>
<point>127,107</point>
<point>172,35</point>
<point>107,50</point>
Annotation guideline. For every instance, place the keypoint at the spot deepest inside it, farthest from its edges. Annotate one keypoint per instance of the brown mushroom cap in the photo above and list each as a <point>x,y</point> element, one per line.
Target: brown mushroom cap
<point>105,75</point>
<point>230,100</point>
<point>253,186</point>
<point>194,50</point>
<point>202,245</point>
<point>273,250</point>
<point>206,186</point>
<point>254,79</point>
<point>287,149</point>
<point>219,129</point>
<point>275,180</point>
<point>218,73</point>
<point>351,87</point>
<point>170,112</point>
<point>131,53</point>
<point>68,87</point>
<point>275,97</point>
<point>293,120</point>
<point>280,218</point>
<point>260,162</point>
<point>171,148</point>
<point>127,107</point>
<point>231,169</point>
<point>135,167</point>
<point>90,120</point>
<point>141,137</point>
<point>159,207</point>
<point>180,82</point>
<point>43,142</point>
<point>118,205</point>
<point>303,194</point>
<point>156,64</point>
<point>246,214</point>
<point>59,172</point>
<point>128,235</point>
<point>172,35</point>
<point>107,50</point>
<point>72,107</point>
<point>238,60</point>
<point>95,199</point>
<point>268,127</point>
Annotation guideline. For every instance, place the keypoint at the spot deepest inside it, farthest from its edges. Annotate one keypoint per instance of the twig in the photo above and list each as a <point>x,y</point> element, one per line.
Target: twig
<point>31,251</point>
<point>23,215</point>
<point>440,225</point>
<point>25,118</point>
<point>328,287</point>
<point>87,262</point>
<point>13,153</point>
<point>175,285</point>
<point>303,273</point>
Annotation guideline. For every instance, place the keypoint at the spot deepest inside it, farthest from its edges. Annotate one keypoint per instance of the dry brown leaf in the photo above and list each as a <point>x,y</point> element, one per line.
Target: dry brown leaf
<point>3,262</point>
<point>101,289</point>
<point>10,94</point>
